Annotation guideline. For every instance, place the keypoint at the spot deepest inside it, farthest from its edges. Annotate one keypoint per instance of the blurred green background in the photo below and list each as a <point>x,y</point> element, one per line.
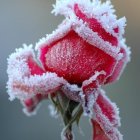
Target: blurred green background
<point>25,21</point>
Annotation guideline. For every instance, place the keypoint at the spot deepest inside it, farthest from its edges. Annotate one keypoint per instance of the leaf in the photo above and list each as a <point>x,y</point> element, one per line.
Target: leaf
<point>79,117</point>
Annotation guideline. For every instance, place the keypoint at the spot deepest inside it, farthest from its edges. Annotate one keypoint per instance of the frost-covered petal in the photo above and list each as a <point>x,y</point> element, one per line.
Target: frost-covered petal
<point>95,25</point>
<point>98,133</point>
<point>102,12</point>
<point>74,59</point>
<point>106,115</point>
<point>83,43</point>
<point>82,54</point>
<point>121,63</point>
<point>108,109</point>
<point>31,104</point>
<point>73,92</point>
<point>26,78</point>
<point>35,69</point>
<point>93,82</point>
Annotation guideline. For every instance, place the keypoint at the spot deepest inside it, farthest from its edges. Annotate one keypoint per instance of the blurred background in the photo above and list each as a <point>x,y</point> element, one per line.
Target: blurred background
<point>25,21</point>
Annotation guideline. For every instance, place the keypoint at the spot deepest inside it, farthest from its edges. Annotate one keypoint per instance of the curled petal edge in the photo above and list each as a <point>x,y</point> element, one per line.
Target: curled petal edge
<point>28,81</point>
<point>107,117</point>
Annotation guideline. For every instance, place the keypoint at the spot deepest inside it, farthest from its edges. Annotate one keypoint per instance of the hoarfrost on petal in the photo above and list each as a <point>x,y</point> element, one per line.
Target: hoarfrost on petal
<point>98,133</point>
<point>72,92</point>
<point>103,12</point>
<point>121,64</point>
<point>87,83</point>
<point>22,84</point>
<point>44,84</point>
<point>31,105</point>
<point>108,108</point>
<point>83,31</point>
<point>108,122</point>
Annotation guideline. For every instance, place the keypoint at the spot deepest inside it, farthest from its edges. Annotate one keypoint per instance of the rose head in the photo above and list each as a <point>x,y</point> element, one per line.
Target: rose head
<point>78,53</point>
<point>86,51</point>
<point>74,59</point>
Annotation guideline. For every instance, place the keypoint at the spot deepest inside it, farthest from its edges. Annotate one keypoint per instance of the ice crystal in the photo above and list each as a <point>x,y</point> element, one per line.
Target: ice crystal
<point>85,52</point>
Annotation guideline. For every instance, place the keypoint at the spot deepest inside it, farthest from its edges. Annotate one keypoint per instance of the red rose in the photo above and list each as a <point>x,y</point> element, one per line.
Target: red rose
<point>85,52</point>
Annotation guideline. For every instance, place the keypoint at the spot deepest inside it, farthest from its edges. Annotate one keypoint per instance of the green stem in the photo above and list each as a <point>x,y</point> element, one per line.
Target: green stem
<point>68,129</point>
<point>70,111</point>
<point>75,116</point>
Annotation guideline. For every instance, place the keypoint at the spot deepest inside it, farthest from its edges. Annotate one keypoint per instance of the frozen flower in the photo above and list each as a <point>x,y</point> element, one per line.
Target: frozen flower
<point>86,51</point>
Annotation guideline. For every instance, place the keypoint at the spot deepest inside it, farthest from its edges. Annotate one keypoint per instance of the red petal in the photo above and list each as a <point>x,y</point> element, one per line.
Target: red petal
<point>42,56</point>
<point>108,109</point>
<point>88,86</point>
<point>116,30</point>
<point>98,133</point>
<point>27,79</point>
<point>119,67</point>
<point>31,103</point>
<point>95,26</point>
<point>106,114</point>
<point>74,59</point>
<point>34,67</point>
